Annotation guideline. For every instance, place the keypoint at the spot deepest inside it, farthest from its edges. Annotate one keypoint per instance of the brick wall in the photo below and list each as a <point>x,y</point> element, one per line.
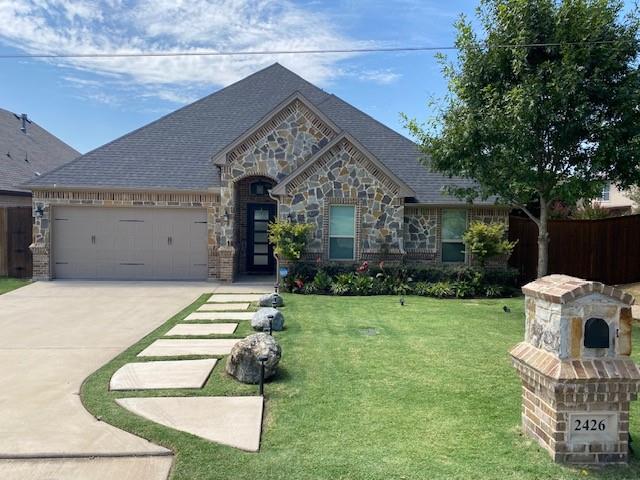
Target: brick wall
<point>49,200</point>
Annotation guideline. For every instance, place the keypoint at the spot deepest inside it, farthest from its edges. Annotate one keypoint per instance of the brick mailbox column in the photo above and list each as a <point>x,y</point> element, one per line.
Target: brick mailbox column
<point>577,377</point>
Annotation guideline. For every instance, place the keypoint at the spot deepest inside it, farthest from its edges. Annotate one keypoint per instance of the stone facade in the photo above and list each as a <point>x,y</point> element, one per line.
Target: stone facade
<point>421,229</point>
<point>329,168</point>
<point>577,379</point>
<point>48,200</point>
<point>343,175</point>
<point>277,148</point>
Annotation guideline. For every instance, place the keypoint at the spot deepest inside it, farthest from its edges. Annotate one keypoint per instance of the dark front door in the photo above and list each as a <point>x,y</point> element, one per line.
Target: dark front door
<point>259,252</point>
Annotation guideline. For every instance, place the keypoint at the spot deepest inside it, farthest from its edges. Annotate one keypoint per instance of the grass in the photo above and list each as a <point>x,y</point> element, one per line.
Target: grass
<point>371,390</point>
<point>7,284</point>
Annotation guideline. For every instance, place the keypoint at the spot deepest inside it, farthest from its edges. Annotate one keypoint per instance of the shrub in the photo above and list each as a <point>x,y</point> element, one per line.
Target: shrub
<point>463,289</point>
<point>321,282</point>
<point>422,288</point>
<point>592,212</point>
<point>343,284</point>
<point>289,239</point>
<point>441,290</point>
<point>487,240</point>
<point>493,291</point>
<point>363,285</point>
<point>432,280</point>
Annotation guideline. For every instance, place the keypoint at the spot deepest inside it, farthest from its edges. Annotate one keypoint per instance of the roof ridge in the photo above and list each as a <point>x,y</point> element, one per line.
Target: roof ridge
<point>157,120</point>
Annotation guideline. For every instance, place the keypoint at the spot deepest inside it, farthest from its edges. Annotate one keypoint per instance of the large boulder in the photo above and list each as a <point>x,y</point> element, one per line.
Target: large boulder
<point>260,320</point>
<point>243,361</point>
<point>267,300</point>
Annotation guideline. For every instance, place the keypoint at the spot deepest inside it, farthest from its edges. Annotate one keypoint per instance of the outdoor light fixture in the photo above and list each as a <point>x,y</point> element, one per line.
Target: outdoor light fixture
<point>274,302</point>
<point>39,211</point>
<point>270,318</point>
<point>262,359</point>
<point>276,286</point>
<point>226,216</point>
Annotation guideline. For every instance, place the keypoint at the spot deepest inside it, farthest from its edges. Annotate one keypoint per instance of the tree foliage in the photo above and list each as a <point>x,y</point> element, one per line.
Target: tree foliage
<point>542,107</point>
<point>289,239</point>
<point>487,240</point>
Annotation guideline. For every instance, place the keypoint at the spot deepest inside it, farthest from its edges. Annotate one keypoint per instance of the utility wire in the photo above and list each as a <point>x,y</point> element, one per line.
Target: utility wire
<point>297,52</point>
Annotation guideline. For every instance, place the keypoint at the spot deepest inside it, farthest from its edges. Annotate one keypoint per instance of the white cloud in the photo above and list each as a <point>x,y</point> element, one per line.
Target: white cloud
<point>72,26</point>
<point>383,77</point>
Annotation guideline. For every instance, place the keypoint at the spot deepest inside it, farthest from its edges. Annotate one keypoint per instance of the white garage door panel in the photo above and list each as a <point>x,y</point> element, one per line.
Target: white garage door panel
<point>130,243</point>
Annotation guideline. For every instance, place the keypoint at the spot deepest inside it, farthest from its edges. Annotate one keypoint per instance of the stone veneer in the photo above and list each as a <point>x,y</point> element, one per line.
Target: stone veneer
<point>48,200</point>
<point>344,175</point>
<point>422,229</point>
<point>273,150</point>
<point>566,381</point>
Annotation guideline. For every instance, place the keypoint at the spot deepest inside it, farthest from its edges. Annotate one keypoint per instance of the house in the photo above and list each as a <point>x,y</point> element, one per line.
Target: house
<point>616,201</point>
<point>190,195</point>
<point>26,151</point>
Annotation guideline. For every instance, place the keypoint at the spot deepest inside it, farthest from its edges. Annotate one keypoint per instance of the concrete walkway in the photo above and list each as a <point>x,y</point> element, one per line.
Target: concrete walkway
<point>52,336</point>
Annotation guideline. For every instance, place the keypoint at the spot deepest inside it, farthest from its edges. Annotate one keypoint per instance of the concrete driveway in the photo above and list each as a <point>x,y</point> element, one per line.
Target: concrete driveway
<point>52,336</point>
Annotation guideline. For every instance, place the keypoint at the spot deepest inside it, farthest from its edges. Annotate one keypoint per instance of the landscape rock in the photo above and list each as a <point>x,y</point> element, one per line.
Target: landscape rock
<point>260,320</point>
<point>243,361</point>
<point>267,300</point>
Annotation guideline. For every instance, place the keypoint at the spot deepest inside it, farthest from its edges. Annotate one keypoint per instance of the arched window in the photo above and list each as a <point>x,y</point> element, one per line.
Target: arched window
<point>596,333</point>
<point>260,187</point>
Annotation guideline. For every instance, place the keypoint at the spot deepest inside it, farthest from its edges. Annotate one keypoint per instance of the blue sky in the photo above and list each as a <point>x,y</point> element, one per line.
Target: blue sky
<point>89,102</point>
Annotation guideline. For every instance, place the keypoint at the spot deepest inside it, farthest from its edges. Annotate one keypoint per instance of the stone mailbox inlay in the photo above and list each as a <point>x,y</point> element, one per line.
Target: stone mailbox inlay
<point>577,377</point>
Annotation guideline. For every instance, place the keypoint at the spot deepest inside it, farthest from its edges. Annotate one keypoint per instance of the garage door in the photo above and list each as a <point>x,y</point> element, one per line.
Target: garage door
<point>130,243</point>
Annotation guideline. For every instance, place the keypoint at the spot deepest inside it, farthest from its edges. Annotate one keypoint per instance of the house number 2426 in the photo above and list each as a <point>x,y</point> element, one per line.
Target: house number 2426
<point>589,425</point>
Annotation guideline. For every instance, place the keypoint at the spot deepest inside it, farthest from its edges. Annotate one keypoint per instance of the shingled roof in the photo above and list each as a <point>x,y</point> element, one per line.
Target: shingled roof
<point>25,155</point>
<point>175,152</point>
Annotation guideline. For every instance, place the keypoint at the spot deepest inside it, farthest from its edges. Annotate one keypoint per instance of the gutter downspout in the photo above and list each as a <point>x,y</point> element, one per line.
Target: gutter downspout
<point>277,199</point>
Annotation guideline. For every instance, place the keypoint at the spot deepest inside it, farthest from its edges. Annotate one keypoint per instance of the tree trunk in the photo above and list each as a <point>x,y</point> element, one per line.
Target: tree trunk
<point>543,239</point>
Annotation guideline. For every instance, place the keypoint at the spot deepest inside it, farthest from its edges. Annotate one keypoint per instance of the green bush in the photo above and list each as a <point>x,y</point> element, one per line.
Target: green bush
<point>441,281</point>
<point>463,289</point>
<point>289,239</point>
<point>441,290</point>
<point>321,282</point>
<point>343,284</point>
<point>487,240</point>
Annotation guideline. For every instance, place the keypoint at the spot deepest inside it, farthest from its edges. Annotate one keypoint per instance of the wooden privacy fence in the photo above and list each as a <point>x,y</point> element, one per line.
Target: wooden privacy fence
<point>606,250</point>
<point>15,237</point>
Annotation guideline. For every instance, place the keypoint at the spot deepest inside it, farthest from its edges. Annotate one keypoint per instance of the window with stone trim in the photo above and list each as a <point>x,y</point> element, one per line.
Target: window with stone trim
<point>342,232</point>
<point>454,224</point>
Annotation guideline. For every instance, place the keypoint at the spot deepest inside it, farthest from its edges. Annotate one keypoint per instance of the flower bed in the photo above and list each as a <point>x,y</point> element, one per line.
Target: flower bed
<point>440,281</point>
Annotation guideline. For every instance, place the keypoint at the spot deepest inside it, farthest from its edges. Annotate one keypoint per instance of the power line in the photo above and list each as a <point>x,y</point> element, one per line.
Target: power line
<point>296,52</point>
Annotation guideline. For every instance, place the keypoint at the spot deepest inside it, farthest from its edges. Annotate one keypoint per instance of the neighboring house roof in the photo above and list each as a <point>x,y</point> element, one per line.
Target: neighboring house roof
<point>176,151</point>
<point>29,153</point>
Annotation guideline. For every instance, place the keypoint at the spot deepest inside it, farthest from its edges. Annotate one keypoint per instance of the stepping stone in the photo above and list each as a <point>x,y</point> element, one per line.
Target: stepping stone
<point>219,316</point>
<point>175,347</point>
<point>203,329</point>
<point>222,307</point>
<point>231,297</point>
<point>232,421</point>
<point>165,374</point>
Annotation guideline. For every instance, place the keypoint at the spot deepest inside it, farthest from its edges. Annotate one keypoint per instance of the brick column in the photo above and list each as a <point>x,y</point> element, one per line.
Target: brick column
<point>41,266</point>
<point>226,263</point>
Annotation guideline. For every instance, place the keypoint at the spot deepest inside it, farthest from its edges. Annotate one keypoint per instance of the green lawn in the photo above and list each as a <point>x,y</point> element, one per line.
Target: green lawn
<point>371,390</point>
<point>7,284</point>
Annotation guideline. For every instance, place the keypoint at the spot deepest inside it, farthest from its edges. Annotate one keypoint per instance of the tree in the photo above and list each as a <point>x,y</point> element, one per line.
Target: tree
<point>488,240</point>
<point>543,108</point>
<point>289,239</point>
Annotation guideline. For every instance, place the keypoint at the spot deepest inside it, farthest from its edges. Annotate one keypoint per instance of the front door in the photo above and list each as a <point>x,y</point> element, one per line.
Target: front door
<point>259,252</point>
